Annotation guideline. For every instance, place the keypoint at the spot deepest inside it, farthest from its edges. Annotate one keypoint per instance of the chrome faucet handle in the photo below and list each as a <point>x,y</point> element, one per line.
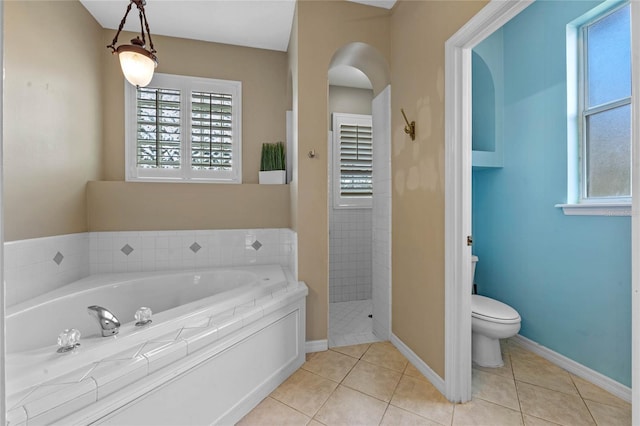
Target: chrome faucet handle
<point>143,316</point>
<point>68,340</point>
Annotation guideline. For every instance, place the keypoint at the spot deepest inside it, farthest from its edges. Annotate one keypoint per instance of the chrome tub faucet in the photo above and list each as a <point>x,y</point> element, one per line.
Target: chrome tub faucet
<point>108,322</point>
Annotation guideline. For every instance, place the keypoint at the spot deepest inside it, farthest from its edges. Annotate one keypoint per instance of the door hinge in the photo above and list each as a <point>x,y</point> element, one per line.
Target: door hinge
<point>469,240</point>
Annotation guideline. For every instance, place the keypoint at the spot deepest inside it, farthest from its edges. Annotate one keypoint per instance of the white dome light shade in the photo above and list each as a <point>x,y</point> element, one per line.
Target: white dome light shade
<point>137,64</point>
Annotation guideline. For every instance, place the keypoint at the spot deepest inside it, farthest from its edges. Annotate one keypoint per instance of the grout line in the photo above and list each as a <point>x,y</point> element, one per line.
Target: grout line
<point>314,414</point>
<point>515,383</point>
<point>403,375</point>
<point>336,388</point>
<point>286,405</point>
<point>385,412</point>
<point>580,395</point>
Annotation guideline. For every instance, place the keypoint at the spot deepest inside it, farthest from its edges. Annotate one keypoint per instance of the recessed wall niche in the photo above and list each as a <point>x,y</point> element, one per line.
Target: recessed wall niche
<point>487,102</point>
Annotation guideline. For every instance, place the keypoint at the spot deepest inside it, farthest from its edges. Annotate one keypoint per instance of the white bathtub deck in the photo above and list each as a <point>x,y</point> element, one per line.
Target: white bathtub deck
<point>94,389</point>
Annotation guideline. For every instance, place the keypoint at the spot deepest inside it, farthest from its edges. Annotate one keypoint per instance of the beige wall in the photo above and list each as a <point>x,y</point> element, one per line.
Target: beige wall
<point>322,27</point>
<point>50,159</point>
<point>263,74</point>
<point>419,30</point>
<point>52,116</point>
<point>47,165</point>
<point>133,206</point>
<point>349,100</point>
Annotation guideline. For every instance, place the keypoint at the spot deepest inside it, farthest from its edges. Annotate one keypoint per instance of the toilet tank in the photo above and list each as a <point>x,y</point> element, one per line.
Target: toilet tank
<point>474,260</point>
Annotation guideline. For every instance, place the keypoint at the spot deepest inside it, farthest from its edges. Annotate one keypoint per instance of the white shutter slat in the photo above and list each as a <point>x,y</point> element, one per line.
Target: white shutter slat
<point>356,155</point>
<point>158,128</point>
<point>211,131</point>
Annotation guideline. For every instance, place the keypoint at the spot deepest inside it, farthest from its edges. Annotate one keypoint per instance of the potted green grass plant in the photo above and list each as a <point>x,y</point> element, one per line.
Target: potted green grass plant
<point>273,163</point>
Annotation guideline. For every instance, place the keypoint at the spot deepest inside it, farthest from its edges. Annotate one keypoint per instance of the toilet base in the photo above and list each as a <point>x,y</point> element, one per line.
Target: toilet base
<point>485,351</point>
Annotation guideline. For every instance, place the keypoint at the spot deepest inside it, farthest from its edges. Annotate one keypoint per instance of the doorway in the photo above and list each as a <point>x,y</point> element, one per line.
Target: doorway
<point>350,160</point>
<point>458,194</point>
<point>360,227</point>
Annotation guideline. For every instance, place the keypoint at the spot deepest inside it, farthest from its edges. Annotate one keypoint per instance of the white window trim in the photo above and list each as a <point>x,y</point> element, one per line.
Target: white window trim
<point>577,204</point>
<point>184,174</point>
<point>340,202</point>
<point>596,209</point>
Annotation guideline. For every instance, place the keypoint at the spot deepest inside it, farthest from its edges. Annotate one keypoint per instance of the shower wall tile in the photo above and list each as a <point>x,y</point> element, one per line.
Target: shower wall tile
<point>37,266</point>
<point>350,261</point>
<point>381,220</point>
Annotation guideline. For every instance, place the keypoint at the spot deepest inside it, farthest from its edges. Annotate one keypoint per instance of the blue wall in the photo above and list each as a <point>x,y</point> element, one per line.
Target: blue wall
<point>569,277</point>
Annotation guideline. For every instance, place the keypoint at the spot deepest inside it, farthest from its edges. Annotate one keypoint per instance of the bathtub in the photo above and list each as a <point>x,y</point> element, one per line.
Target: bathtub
<point>220,340</point>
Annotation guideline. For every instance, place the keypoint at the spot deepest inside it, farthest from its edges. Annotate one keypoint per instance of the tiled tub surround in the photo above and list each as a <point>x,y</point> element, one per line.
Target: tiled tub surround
<point>228,330</point>
<point>36,266</point>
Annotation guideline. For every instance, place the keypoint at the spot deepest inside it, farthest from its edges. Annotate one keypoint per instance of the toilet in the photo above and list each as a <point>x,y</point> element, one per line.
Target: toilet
<point>491,321</point>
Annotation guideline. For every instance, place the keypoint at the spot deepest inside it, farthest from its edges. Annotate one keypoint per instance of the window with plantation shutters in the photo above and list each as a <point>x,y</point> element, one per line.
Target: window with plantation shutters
<point>184,129</point>
<point>353,160</point>
<point>211,131</point>
<point>158,128</point>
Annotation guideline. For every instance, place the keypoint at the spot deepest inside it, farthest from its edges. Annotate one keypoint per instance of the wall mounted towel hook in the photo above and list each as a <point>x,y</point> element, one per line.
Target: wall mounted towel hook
<point>410,128</point>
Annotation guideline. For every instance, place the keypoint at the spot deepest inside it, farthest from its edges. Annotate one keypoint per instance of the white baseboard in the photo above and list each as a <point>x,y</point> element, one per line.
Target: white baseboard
<point>598,379</point>
<point>316,345</point>
<point>426,371</point>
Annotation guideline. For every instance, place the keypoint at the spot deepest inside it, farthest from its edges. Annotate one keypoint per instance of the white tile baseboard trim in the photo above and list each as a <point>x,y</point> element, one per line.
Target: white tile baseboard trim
<point>316,345</point>
<point>426,371</point>
<point>598,379</point>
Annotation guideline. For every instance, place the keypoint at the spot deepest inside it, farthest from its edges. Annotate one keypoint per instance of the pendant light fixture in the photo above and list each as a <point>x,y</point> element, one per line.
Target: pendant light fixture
<point>136,61</point>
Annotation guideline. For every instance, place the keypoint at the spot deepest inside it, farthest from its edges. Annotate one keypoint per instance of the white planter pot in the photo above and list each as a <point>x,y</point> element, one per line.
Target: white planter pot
<point>273,177</point>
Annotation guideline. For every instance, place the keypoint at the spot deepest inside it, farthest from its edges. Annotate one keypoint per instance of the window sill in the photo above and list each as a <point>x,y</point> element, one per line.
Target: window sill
<point>596,209</point>
<point>157,179</point>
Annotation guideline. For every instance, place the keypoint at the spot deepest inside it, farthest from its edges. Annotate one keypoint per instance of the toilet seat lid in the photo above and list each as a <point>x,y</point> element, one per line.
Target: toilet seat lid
<point>492,310</point>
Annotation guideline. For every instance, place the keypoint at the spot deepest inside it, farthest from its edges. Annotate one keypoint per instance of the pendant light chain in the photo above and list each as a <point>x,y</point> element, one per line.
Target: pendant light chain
<point>124,19</point>
<point>146,24</point>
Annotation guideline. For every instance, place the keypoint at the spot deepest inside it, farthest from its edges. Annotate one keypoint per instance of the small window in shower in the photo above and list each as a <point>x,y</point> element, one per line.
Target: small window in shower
<point>353,160</point>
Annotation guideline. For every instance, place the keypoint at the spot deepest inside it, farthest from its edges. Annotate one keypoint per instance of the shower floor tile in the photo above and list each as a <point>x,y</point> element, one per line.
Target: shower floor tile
<point>349,323</point>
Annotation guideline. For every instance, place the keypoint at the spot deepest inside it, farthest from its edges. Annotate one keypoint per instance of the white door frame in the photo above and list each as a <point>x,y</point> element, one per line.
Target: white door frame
<point>458,195</point>
<point>458,190</point>
<point>3,412</point>
<point>635,213</point>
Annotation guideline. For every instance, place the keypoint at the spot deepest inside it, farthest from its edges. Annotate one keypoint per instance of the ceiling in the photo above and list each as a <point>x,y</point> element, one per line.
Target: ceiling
<point>263,24</point>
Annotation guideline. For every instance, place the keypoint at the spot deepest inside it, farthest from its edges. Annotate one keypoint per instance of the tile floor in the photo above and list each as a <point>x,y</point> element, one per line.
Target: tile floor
<point>349,323</point>
<point>374,384</point>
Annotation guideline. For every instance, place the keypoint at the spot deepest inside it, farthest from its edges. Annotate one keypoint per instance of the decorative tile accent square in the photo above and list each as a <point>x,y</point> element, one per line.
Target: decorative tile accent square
<point>163,250</point>
<point>127,249</point>
<point>58,258</point>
